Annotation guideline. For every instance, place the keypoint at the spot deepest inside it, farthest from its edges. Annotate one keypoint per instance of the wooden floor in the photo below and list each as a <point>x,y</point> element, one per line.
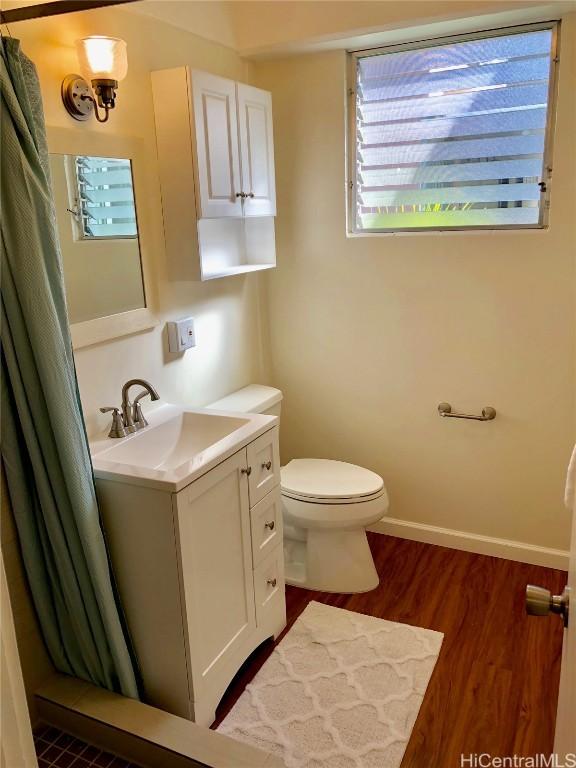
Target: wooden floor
<point>495,686</point>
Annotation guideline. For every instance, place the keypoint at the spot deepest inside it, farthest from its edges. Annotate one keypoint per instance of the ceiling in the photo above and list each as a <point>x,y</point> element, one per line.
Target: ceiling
<point>269,28</point>
<point>272,28</point>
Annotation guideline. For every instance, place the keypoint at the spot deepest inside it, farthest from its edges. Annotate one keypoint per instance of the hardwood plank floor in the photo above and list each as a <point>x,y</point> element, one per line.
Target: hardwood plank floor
<point>495,686</point>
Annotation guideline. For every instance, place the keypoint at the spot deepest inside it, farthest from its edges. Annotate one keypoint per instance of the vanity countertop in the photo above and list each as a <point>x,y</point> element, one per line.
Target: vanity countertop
<point>177,447</point>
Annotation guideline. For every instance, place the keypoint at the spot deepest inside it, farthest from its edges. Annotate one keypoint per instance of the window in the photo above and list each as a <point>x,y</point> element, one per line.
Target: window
<point>452,134</point>
<point>104,198</point>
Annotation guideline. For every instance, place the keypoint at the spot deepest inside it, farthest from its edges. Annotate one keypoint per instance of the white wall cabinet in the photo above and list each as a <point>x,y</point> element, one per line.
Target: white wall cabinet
<point>235,148</point>
<point>201,576</point>
<point>216,155</point>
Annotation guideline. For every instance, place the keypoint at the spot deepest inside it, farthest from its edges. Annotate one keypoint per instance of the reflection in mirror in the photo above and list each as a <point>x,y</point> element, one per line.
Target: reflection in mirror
<point>97,225</point>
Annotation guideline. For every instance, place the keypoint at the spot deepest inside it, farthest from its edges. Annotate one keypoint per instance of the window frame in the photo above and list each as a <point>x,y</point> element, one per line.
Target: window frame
<point>353,56</point>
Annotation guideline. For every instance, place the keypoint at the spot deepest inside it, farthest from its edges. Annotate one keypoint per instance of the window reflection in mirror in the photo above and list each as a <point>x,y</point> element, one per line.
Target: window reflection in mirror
<point>97,225</point>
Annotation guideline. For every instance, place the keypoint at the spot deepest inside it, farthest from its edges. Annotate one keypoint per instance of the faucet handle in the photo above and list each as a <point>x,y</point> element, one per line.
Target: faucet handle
<point>117,428</point>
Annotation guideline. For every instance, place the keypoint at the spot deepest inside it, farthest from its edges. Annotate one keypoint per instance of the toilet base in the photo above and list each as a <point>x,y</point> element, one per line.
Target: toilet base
<point>330,561</point>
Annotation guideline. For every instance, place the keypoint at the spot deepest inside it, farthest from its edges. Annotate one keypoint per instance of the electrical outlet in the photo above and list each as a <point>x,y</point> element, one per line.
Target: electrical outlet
<point>181,335</point>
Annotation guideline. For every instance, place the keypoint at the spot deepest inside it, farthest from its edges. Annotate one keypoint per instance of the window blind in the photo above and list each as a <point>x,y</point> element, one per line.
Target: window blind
<point>105,197</point>
<point>453,135</point>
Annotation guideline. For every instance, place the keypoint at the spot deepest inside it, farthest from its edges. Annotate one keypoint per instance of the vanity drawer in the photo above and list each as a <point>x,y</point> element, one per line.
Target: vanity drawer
<point>269,586</point>
<point>264,460</point>
<point>266,524</point>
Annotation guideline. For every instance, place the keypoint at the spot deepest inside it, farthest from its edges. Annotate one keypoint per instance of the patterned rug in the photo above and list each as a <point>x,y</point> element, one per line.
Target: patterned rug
<point>342,690</point>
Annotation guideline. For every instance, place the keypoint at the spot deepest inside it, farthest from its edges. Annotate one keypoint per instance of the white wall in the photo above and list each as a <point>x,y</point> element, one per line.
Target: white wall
<point>227,312</point>
<point>369,334</point>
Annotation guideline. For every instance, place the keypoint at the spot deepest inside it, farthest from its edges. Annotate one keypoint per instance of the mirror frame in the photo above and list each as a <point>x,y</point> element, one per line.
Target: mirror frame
<point>64,141</point>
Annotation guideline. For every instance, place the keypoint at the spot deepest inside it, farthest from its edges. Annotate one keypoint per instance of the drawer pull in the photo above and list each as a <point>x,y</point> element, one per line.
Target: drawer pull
<point>246,471</point>
<point>267,465</point>
<point>271,582</point>
<point>271,525</point>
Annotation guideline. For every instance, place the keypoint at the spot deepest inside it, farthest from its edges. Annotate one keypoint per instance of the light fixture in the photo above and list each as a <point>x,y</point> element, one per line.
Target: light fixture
<point>104,63</point>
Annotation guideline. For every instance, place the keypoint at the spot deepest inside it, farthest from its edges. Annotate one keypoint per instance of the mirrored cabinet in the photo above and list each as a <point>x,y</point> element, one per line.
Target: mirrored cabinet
<point>216,156</point>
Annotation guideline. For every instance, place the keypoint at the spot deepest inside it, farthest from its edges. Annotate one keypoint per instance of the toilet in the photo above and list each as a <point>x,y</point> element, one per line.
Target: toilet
<point>327,506</point>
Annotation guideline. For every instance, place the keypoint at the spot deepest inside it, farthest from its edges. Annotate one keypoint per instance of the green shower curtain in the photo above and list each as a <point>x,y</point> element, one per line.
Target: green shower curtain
<point>44,447</point>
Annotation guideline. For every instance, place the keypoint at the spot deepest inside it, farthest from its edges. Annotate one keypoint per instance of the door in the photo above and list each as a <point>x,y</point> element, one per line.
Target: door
<point>565,742</point>
<point>216,562</point>
<point>216,125</point>
<point>256,150</point>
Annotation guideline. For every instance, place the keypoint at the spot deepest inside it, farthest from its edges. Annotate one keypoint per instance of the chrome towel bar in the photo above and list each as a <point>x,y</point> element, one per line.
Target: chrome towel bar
<point>488,413</point>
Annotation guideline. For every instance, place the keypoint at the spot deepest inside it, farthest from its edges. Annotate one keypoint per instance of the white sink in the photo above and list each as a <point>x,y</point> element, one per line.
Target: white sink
<point>177,447</point>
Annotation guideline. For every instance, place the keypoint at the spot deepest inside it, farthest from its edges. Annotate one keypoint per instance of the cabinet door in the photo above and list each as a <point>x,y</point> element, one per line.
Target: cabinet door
<point>256,150</point>
<point>216,566</point>
<point>216,126</point>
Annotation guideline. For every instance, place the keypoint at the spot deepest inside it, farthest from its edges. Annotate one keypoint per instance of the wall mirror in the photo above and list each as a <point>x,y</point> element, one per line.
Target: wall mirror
<point>99,213</point>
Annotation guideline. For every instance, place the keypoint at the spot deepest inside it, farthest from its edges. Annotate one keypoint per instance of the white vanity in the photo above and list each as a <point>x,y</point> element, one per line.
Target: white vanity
<point>192,514</point>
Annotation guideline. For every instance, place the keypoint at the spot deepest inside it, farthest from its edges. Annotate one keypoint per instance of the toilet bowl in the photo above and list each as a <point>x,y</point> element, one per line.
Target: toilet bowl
<point>327,506</point>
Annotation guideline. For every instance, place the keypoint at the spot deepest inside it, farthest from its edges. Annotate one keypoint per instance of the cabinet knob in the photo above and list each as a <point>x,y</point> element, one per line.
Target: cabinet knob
<point>250,194</point>
<point>246,471</point>
<point>267,465</point>
<point>271,525</point>
<point>271,582</point>
<point>241,194</point>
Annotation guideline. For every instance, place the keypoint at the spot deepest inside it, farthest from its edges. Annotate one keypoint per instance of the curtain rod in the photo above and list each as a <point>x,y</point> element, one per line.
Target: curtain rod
<point>42,10</point>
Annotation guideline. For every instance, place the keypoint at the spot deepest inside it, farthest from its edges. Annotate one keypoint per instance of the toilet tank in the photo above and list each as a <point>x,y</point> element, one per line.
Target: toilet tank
<point>255,398</point>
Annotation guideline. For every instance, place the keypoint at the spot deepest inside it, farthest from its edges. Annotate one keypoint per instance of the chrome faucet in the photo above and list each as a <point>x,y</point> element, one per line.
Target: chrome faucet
<point>131,419</point>
<point>132,415</point>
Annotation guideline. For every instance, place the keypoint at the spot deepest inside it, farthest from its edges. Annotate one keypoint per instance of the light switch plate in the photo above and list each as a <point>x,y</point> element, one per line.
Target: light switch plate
<point>181,335</point>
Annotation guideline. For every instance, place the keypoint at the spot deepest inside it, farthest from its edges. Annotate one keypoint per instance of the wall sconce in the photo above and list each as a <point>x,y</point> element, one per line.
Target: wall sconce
<point>103,61</point>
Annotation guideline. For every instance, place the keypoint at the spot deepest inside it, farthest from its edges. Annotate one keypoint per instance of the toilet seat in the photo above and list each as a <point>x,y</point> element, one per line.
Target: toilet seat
<point>320,493</point>
<point>325,481</point>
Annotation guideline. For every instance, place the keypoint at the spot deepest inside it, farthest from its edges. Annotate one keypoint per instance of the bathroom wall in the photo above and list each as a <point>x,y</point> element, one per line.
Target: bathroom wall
<point>229,352</point>
<point>227,312</point>
<point>369,334</point>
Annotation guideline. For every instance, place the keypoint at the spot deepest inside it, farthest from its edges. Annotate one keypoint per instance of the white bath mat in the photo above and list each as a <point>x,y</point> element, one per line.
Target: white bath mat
<point>342,690</point>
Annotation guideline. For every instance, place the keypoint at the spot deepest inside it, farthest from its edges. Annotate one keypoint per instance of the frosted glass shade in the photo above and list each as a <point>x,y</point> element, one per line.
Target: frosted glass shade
<point>102,58</point>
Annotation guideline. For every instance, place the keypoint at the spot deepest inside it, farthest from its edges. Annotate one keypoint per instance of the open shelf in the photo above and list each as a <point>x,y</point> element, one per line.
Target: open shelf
<point>235,246</point>
<point>238,270</point>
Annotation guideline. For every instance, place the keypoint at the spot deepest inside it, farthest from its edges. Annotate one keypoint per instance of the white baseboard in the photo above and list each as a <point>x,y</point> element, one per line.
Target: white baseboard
<point>473,542</point>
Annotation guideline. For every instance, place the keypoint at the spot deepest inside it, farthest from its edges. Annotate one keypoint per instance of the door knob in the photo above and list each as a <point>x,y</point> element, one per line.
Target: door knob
<point>541,602</point>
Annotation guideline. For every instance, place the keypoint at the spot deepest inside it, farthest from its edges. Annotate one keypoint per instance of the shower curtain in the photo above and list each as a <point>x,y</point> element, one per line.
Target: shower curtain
<point>44,446</point>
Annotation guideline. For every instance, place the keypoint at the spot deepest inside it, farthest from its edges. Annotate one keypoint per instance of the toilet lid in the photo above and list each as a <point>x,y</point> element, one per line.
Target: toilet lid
<point>326,479</point>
